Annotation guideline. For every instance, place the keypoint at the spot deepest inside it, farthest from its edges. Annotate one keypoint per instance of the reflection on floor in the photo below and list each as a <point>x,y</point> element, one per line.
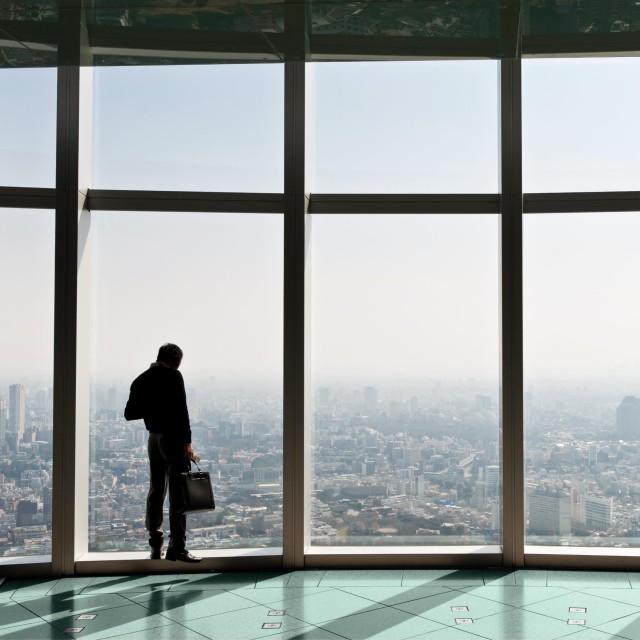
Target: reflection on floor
<point>323,605</point>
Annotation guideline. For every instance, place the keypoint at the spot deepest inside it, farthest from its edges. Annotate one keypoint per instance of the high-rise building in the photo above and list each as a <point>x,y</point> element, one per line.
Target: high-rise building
<point>597,512</point>
<point>26,513</point>
<point>628,418</point>
<point>370,400</point>
<point>549,513</point>
<point>492,478</point>
<point>4,419</point>
<point>16,410</point>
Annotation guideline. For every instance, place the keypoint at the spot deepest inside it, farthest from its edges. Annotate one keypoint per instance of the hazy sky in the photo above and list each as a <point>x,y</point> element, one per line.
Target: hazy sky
<point>405,293</point>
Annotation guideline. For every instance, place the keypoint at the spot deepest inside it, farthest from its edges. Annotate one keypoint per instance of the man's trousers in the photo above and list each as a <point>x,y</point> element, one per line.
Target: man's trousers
<point>167,461</point>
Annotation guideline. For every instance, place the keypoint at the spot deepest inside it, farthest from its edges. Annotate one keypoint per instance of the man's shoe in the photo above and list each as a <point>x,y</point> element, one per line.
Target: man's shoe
<point>182,556</point>
<point>156,554</point>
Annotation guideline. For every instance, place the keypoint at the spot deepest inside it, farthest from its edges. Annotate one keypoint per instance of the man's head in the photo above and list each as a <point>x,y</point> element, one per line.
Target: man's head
<point>170,354</point>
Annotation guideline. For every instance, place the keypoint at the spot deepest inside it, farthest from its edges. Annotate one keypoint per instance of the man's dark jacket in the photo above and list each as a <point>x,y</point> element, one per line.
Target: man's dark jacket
<point>158,396</point>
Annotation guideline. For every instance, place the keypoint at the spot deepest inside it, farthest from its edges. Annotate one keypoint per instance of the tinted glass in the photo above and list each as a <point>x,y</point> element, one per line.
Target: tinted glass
<point>404,127</point>
<point>405,380</point>
<point>211,283</point>
<point>189,128</point>
<point>26,382</point>
<point>582,366</point>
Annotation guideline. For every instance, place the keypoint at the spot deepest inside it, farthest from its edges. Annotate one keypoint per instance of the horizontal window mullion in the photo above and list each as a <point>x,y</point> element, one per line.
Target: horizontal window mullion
<point>27,198</point>
<point>404,203</point>
<point>168,201</point>
<point>584,202</point>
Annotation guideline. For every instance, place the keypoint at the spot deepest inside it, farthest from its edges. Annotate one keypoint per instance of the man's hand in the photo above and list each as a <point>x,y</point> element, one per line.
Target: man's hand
<point>188,451</point>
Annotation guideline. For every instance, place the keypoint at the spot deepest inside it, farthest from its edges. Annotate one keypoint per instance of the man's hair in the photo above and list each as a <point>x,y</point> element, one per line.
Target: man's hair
<point>169,353</point>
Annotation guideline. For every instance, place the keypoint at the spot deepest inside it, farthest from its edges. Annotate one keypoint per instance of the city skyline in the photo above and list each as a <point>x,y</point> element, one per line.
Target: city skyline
<point>391,466</point>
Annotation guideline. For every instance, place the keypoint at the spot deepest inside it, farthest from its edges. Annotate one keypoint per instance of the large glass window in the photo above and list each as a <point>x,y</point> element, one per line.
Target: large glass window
<point>189,128</point>
<point>405,127</point>
<point>405,369</point>
<point>580,125</point>
<point>582,372</point>
<point>26,382</point>
<point>27,127</point>
<point>211,283</point>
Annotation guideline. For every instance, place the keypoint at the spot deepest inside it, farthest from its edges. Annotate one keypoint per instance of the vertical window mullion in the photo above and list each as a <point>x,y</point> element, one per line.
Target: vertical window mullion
<point>512,318</point>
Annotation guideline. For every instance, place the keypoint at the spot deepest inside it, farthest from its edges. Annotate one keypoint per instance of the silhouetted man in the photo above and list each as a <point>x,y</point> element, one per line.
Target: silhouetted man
<point>158,396</point>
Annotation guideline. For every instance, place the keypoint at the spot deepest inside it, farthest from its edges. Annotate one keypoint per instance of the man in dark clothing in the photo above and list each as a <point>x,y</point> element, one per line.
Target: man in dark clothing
<point>158,396</point>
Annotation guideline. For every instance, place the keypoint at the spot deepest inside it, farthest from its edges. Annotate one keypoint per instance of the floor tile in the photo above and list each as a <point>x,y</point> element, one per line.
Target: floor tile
<point>266,580</point>
<point>438,607</point>
<point>199,581</point>
<point>13,613</point>
<point>499,577</point>
<point>130,584</point>
<point>441,577</point>
<point>617,580</point>
<point>395,595</point>
<point>32,588</point>
<point>593,634</point>
<point>598,611</point>
<point>451,633</point>
<point>190,605</point>
<point>367,577</point>
<point>310,578</point>
<point>517,624</point>
<point>33,631</point>
<point>328,605</point>
<point>131,618</point>
<point>628,627</point>
<point>280,596</point>
<point>70,586</point>
<point>628,596</point>
<point>53,607</point>
<point>634,579</point>
<point>381,624</point>
<point>169,632</point>
<point>308,633</point>
<point>531,578</point>
<point>231,626</point>
<point>517,596</point>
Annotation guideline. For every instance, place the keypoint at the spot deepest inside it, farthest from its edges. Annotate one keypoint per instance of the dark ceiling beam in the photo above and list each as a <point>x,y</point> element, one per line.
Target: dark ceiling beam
<point>32,33</point>
<point>351,47</point>
<point>139,39</point>
<point>510,28</point>
<point>581,44</point>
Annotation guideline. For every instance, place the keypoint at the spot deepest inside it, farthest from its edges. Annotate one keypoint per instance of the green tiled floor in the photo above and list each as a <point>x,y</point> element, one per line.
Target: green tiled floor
<point>327,605</point>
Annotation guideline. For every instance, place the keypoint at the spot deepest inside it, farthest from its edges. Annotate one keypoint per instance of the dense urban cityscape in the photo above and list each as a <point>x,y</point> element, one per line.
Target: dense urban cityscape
<point>410,464</point>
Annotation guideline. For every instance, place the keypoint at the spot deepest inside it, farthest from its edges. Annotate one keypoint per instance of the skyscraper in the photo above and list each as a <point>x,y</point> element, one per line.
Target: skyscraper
<point>16,411</point>
<point>370,399</point>
<point>628,418</point>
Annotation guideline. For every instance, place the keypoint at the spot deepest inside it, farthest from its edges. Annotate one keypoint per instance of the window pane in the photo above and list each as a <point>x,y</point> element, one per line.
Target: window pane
<point>582,367</point>
<point>189,128</point>
<point>405,127</point>
<point>580,126</point>
<point>28,127</point>
<point>405,368</point>
<point>26,382</point>
<point>211,283</point>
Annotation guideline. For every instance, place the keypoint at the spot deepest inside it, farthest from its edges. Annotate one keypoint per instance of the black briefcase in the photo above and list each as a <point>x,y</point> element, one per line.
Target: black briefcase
<point>196,490</point>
